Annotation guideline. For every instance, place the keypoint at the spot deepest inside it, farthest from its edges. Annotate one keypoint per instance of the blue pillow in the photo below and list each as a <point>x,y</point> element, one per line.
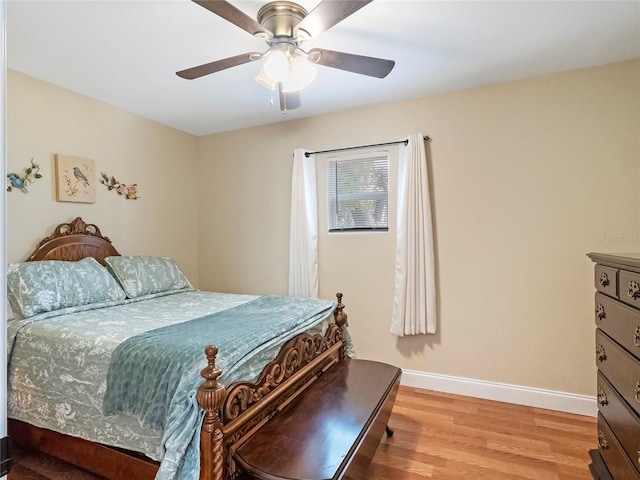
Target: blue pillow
<point>141,275</point>
<point>36,287</point>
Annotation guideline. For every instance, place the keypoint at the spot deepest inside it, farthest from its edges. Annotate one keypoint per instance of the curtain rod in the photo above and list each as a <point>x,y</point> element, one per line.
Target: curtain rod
<point>406,141</point>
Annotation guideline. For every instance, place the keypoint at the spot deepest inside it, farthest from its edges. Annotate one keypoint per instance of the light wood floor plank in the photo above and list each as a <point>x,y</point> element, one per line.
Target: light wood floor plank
<point>461,438</point>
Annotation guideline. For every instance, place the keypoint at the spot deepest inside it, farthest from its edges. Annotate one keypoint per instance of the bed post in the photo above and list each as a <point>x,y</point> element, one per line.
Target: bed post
<point>340,317</point>
<point>210,396</point>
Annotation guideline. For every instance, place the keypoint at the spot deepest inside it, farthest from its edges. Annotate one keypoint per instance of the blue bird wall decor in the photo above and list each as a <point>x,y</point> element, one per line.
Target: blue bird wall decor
<point>31,174</point>
<point>16,182</point>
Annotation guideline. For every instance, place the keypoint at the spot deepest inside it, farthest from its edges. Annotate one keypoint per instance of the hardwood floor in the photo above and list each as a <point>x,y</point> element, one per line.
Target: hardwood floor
<point>448,437</point>
<point>442,437</point>
<point>37,466</point>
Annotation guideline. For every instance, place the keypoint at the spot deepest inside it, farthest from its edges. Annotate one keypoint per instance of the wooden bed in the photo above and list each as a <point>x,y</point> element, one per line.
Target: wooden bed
<point>232,415</point>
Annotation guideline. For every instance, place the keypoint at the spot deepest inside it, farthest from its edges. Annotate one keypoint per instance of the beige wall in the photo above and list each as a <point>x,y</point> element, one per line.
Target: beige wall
<point>43,120</point>
<point>527,177</point>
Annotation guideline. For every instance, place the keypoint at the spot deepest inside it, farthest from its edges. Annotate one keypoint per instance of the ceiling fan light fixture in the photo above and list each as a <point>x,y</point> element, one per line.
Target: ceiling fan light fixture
<point>276,66</point>
<point>288,66</point>
<point>264,80</point>
<point>301,74</point>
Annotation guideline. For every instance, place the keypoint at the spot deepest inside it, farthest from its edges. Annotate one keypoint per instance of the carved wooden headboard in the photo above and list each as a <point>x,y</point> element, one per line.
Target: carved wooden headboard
<point>74,241</point>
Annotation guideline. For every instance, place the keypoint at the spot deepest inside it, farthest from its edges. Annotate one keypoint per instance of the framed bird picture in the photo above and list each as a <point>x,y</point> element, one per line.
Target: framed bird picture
<point>75,179</point>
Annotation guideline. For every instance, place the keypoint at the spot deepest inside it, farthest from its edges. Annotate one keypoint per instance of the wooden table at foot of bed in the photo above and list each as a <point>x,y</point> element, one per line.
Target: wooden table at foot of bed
<point>331,431</point>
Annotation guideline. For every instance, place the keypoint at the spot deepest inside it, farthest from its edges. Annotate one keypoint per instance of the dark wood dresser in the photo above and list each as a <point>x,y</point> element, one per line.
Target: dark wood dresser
<point>617,348</point>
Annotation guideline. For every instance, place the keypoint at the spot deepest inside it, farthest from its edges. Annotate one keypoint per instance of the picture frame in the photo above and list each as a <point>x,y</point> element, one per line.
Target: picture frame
<point>75,179</point>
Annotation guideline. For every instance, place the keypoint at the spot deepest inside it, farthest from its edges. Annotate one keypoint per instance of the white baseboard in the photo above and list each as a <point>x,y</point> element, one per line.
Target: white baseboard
<point>502,392</point>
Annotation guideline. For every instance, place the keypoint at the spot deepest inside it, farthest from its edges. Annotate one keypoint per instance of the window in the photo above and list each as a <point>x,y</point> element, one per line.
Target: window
<point>358,192</point>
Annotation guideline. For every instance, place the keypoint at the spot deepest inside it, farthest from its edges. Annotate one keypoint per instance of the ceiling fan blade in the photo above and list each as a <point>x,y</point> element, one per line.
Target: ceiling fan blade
<point>218,65</point>
<point>373,67</point>
<point>288,100</point>
<point>232,14</point>
<point>327,14</point>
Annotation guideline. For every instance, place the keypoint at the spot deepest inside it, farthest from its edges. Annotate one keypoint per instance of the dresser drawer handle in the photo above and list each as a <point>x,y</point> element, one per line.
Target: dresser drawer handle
<point>604,279</point>
<point>602,397</point>
<point>601,355</point>
<point>634,289</point>
<point>637,391</point>
<point>600,311</point>
<point>636,337</point>
<point>602,441</point>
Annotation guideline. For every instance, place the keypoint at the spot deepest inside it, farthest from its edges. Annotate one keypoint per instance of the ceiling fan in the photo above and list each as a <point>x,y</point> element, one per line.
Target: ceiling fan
<point>284,25</point>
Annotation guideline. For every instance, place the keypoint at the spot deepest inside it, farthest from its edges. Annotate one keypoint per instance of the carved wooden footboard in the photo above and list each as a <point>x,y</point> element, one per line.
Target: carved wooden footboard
<point>232,415</point>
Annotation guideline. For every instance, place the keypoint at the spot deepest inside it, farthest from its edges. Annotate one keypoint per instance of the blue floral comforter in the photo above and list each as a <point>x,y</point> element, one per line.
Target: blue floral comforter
<point>58,366</point>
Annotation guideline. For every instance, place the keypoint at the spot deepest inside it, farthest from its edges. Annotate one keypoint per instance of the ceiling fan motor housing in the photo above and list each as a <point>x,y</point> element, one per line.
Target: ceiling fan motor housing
<point>281,17</point>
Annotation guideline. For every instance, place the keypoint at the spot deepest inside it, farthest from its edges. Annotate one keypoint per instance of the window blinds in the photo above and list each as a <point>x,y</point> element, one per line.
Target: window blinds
<point>359,192</point>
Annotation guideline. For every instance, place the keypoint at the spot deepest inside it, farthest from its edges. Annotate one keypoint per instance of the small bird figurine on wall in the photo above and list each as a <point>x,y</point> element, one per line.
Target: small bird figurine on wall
<point>16,182</point>
<point>31,174</point>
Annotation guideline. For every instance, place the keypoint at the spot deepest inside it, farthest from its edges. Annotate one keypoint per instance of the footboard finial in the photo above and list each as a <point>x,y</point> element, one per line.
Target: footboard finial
<point>210,396</point>
<point>339,314</point>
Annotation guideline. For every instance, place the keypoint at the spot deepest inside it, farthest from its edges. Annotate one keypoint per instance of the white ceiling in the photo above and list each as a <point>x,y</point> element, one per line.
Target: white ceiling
<point>125,53</point>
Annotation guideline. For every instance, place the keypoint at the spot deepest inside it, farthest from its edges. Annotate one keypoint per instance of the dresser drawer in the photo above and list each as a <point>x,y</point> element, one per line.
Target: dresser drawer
<point>606,280</point>
<point>630,288</point>
<point>621,419</point>
<point>617,462</point>
<point>621,369</point>
<point>619,321</point>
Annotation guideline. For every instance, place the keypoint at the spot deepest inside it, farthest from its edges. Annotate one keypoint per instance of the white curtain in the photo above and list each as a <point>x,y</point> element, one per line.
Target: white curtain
<point>303,233</point>
<point>414,302</point>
